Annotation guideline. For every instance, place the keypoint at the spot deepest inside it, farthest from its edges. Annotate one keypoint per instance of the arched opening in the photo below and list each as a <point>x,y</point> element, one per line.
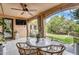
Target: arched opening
<point>61,28</point>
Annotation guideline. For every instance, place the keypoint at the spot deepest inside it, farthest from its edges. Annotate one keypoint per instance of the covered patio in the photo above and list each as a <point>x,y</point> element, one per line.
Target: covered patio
<point>18,28</point>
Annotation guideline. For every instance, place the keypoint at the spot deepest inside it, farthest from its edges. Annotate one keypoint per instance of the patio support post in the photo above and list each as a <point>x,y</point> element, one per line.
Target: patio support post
<point>41,25</point>
<point>26,30</point>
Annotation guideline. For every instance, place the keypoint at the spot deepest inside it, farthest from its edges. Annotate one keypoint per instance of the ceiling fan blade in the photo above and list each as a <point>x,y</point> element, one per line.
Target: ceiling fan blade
<point>23,5</point>
<point>16,9</point>
<point>22,13</point>
<point>32,10</point>
<point>30,13</point>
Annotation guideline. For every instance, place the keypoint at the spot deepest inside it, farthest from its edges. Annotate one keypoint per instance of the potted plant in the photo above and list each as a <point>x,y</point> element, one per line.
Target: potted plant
<point>14,36</point>
<point>38,38</point>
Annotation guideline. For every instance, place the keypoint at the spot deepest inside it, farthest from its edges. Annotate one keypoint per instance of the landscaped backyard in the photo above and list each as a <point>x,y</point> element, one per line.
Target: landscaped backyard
<point>62,27</point>
<point>61,38</point>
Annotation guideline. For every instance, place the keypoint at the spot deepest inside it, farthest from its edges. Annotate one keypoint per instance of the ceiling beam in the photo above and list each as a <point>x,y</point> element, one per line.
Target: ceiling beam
<point>8,16</point>
<point>58,8</point>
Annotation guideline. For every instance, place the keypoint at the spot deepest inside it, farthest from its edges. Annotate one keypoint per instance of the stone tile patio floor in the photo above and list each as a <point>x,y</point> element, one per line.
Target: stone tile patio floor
<point>11,49</point>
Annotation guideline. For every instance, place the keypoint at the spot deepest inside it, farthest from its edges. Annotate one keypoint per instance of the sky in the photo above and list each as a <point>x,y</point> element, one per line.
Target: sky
<point>67,14</point>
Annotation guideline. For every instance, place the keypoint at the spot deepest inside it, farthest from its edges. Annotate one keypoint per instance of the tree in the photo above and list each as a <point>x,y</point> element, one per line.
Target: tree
<point>4,25</point>
<point>60,25</point>
<point>76,14</point>
<point>54,24</point>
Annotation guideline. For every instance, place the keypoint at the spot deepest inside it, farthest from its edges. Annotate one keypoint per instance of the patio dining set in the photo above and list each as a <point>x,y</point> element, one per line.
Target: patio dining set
<point>43,47</point>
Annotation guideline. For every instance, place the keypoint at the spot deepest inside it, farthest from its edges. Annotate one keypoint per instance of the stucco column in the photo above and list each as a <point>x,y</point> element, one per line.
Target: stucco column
<point>41,25</point>
<point>14,34</point>
<point>26,30</point>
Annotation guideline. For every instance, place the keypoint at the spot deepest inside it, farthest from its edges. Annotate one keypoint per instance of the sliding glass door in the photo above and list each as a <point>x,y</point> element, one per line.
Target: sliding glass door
<point>8,28</point>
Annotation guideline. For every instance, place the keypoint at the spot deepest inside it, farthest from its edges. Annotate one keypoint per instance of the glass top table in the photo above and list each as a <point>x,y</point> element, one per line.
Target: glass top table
<point>41,44</point>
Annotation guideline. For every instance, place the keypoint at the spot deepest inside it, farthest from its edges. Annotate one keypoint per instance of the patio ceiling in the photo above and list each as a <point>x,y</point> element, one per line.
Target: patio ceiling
<point>43,9</point>
<point>39,7</point>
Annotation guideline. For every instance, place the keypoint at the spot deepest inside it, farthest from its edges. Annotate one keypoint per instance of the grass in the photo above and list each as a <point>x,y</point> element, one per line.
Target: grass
<point>61,38</point>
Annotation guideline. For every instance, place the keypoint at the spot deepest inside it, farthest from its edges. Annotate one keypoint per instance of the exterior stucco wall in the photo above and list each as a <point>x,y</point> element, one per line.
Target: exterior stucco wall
<point>21,29</point>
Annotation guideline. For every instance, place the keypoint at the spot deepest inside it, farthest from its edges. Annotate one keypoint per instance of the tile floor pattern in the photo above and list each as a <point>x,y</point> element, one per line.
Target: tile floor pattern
<point>11,49</point>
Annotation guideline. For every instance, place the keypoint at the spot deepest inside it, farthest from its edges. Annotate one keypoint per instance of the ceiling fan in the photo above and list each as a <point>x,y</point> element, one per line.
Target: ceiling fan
<point>24,9</point>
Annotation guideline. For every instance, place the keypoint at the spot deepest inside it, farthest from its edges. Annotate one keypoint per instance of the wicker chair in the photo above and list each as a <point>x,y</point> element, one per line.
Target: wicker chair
<point>24,49</point>
<point>53,50</point>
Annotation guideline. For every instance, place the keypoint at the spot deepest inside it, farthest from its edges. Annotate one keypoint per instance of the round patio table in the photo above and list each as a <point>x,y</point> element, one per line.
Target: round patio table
<point>43,43</point>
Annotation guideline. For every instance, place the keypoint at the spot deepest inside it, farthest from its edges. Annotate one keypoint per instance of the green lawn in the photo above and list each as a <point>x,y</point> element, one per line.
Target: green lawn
<point>61,38</point>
